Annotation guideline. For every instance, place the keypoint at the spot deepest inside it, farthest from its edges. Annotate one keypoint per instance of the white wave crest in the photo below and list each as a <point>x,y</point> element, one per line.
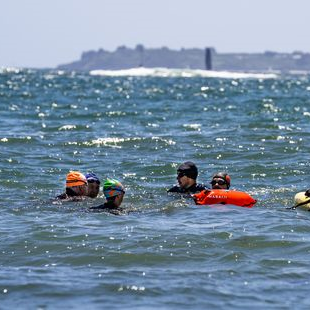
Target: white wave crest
<point>67,127</point>
<point>10,70</point>
<point>115,142</point>
<point>165,72</point>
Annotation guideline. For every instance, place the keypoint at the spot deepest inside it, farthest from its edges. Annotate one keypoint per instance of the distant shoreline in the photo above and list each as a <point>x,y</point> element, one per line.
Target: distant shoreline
<point>189,58</point>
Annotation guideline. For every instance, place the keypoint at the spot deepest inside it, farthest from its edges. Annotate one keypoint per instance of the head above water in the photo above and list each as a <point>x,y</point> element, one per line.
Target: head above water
<point>220,180</point>
<point>75,178</point>
<point>93,183</point>
<point>114,192</point>
<point>188,169</point>
<point>187,174</point>
<point>76,184</point>
<point>112,187</point>
<point>92,178</point>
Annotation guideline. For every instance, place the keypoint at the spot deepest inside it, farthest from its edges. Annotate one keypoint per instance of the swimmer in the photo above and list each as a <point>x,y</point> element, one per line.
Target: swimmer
<point>76,187</point>
<point>187,174</point>
<point>114,192</point>
<point>220,180</point>
<point>93,185</point>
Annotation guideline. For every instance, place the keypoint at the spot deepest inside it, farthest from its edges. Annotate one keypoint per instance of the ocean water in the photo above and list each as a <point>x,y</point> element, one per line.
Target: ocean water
<point>167,253</point>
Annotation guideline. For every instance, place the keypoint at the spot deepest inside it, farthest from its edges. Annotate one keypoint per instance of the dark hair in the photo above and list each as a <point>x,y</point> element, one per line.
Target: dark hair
<point>188,169</point>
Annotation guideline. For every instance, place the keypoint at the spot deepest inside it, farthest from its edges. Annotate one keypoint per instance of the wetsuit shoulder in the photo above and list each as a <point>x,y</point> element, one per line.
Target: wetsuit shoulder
<point>62,196</point>
<point>100,207</point>
<point>106,207</point>
<point>176,189</point>
<point>198,187</point>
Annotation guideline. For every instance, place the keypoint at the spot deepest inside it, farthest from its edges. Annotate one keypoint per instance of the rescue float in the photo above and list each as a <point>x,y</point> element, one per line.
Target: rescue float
<point>301,201</point>
<point>224,197</point>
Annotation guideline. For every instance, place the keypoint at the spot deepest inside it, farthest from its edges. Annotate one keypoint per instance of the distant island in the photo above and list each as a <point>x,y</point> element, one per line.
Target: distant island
<point>190,58</point>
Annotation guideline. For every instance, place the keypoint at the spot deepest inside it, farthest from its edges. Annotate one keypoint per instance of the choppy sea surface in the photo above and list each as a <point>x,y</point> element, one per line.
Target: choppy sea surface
<point>167,253</point>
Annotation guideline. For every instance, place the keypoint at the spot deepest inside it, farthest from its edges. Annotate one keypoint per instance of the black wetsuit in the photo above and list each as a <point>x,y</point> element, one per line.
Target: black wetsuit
<point>68,194</point>
<point>195,188</point>
<point>62,196</point>
<point>108,207</point>
<point>65,197</point>
<point>105,205</point>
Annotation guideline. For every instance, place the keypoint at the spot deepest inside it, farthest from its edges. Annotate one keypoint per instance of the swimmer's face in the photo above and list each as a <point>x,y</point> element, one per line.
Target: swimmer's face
<point>219,183</point>
<point>184,181</point>
<point>80,190</point>
<point>93,188</point>
<point>119,199</point>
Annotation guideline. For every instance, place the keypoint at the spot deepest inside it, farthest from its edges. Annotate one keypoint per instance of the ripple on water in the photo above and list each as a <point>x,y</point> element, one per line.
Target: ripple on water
<point>167,251</point>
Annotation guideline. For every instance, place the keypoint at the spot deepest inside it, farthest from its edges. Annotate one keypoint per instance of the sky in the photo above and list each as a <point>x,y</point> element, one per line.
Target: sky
<point>47,33</point>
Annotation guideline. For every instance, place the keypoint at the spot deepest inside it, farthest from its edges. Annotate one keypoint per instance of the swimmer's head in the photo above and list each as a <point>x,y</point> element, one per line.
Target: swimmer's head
<point>92,178</point>
<point>112,188</point>
<point>220,180</point>
<point>114,192</point>
<point>75,178</point>
<point>93,183</point>
<point>187,174</point>
<point>76,184</point>
<point>188,169</point>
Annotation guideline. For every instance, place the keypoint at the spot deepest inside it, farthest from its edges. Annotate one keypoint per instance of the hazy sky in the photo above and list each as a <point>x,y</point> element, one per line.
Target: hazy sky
<point>46,33</point>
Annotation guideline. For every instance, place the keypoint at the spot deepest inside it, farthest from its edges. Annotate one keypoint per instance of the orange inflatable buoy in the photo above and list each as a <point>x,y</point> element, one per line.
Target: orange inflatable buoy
<point>224,197</point>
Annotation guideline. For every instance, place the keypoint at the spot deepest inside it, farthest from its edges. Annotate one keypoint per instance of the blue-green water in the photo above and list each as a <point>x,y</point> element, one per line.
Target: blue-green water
<point>169,254</point>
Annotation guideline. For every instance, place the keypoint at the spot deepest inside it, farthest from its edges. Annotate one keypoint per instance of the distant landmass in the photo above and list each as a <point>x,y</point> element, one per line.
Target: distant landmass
<point>190,58</point>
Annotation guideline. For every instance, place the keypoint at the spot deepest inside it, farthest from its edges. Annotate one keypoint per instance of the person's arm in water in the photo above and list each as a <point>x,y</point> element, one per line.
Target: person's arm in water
<point>62,196</point>
<point>175,189</point>
<point>107,205</point>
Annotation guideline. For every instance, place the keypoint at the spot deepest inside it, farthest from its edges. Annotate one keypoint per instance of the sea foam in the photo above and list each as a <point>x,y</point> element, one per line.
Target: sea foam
<point>165,72</point>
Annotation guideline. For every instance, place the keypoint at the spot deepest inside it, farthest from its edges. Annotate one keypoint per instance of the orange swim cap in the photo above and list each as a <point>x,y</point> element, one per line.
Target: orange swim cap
<point>75,178</point>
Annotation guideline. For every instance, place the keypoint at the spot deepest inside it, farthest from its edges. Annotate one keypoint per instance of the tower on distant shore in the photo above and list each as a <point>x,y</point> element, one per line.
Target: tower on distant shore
<point>140,50</point>
<point>208,59</point>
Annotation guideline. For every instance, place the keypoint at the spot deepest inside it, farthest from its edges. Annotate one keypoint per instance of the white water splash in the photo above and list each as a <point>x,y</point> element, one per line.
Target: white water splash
<point>67,127</point>
<point>165,72</point>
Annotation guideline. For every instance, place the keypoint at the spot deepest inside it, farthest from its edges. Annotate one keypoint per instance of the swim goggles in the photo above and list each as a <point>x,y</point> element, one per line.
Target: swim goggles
<point>219,182</point>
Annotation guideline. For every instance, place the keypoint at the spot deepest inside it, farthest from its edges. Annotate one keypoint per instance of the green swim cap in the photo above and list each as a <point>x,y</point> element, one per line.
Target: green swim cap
<point>112,187</point>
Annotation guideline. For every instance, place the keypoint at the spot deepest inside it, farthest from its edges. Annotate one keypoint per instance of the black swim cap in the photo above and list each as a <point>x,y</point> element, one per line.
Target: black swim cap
<point>188,169</point>
<point>224,176</point>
